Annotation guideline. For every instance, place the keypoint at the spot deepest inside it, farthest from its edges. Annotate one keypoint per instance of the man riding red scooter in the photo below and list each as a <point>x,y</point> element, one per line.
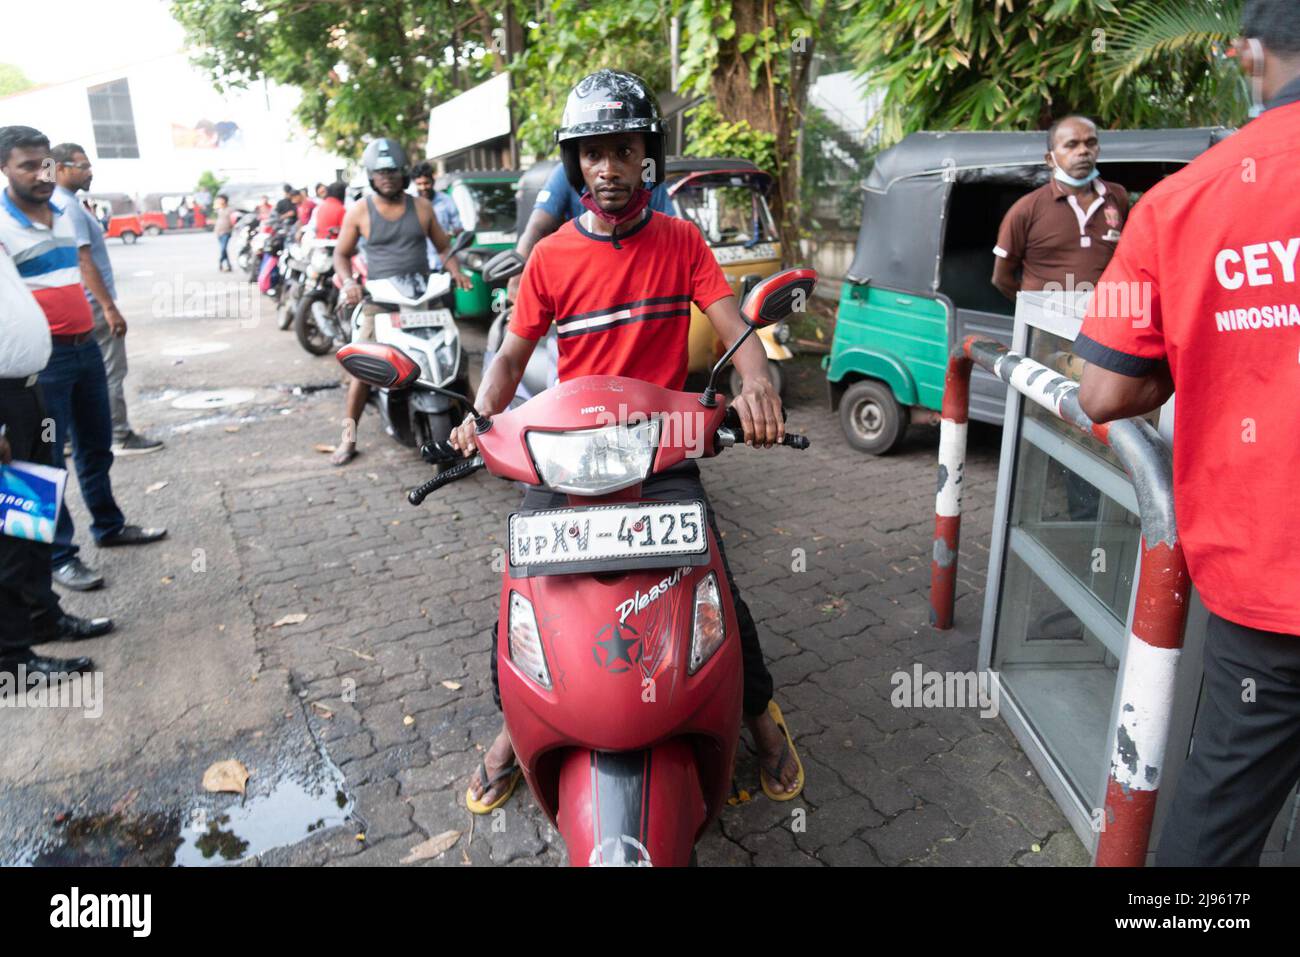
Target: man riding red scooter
<point>619,283</point>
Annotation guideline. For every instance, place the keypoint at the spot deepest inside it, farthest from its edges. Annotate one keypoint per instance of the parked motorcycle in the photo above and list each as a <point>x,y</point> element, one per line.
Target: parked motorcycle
<point>424,328</point>
<point>317,322</point>
<point>293,264</point>
<point>618,651</point>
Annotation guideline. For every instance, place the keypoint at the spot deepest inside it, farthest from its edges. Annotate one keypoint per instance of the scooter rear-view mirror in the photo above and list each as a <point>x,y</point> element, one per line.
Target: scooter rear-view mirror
<point>777,297</point>
<point>388,367</point>
<point>461,243</point>
<point>503,266</point>
<point>379,365</point>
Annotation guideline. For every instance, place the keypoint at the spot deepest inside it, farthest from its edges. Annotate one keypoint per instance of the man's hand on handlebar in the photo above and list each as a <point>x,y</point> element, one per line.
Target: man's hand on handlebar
<point>352,293</point>
<point>759,408</point>
<point>462,437</point>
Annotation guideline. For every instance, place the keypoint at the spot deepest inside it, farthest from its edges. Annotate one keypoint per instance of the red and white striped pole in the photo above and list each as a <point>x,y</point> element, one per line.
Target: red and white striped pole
<point>1146,687</point>
<point>947,500</point>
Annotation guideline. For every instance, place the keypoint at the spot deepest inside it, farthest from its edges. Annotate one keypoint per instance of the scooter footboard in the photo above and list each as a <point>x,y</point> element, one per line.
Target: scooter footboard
<point>631,808</point>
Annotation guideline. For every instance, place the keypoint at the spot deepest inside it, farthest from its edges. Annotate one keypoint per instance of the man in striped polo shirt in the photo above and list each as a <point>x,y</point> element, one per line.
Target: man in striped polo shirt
<point>43,243</point>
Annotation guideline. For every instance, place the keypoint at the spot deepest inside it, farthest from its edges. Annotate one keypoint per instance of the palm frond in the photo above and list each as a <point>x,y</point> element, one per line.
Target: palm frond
<point>1151,30</point>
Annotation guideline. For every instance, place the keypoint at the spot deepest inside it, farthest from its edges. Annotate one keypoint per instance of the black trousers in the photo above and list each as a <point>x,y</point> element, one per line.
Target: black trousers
<point>26,593</point>
<point>679,484</point>
<point>1245,756</point>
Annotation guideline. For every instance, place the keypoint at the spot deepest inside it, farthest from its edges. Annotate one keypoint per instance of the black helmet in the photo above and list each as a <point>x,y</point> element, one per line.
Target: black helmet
<point>611,101</point>
<point>384,154</point>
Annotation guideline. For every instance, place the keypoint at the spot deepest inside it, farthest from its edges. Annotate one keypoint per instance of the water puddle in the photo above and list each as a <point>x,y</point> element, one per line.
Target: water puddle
<point>219,829</point>
<point>193,348</point>
<point>213,399</point>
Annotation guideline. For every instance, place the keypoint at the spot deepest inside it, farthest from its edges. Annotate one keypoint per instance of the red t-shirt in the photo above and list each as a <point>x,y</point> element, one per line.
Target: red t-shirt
<point>1205,276</point>
<point>329,215</point>
<point>620,311</point>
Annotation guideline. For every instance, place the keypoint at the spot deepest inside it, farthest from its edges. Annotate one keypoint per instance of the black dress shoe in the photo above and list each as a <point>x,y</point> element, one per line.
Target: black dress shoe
<point>39,664</point>
<point>132,535</point>
<point>76,575</point>
<point>72,628</point>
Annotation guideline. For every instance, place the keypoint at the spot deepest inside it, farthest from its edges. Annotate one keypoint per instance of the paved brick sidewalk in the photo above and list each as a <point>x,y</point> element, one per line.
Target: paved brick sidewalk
<point>400,600</point>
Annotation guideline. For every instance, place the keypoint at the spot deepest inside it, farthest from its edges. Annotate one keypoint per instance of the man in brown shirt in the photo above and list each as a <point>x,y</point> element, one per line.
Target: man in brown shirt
<point>1063,234</point>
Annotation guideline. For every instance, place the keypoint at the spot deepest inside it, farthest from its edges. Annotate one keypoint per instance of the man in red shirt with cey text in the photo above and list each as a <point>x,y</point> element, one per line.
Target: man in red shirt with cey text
<point>619,282</point>
<point>1214,251</point>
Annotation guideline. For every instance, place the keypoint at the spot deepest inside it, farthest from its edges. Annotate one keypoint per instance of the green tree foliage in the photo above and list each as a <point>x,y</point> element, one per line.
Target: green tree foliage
<point>576,38</point>
<point>364,69</point>
<point>13,80</point>
<point>1017,64</point>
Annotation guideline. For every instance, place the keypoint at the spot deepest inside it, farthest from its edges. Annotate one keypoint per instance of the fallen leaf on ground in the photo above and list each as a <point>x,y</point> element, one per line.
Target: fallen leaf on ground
<point>155,487</point>
<point>167,579</point>
<point>297,618</point>
<point>451,685</point>
<point>321,710</point>
<point>362,656</point>
<point>232,428</point>
<point>408,720</point>
<point>322,447</point>
<point>433,847</point>
<point>226,776</point>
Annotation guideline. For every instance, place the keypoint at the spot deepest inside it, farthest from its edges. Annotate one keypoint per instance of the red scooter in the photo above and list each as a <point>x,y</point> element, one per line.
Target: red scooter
<point>618,651</point>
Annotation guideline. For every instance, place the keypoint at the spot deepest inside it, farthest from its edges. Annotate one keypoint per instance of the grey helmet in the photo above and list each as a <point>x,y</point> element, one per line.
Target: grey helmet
<point>611,101</point>
<point>385,154</point>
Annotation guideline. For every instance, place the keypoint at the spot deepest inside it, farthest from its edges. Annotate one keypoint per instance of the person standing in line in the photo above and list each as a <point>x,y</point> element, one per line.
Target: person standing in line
<point>30,612</point>
<point>73,173</point>
<point>43,242</point>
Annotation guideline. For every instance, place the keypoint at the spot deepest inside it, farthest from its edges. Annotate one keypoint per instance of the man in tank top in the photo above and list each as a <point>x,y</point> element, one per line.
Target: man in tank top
<point>395,227</point>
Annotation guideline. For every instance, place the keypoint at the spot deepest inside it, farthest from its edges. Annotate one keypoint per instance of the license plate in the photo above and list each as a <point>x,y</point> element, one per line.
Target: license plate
<point>737,254</point>
<point>422,319</point>
<point>643,534</point>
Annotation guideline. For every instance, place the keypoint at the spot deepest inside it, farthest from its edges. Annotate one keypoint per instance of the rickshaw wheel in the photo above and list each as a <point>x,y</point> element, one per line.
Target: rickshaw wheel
<point>871,417</point>
<point>128,237</point>
<point>773,372</point>
<point>153,231</point>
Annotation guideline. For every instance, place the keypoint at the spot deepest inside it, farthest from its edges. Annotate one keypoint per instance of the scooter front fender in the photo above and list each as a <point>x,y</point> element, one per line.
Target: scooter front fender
<point>631,808</point>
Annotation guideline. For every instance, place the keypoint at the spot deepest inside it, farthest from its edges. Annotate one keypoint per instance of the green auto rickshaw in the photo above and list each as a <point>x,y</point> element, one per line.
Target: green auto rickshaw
<point>920,281</point>
<point>485,200</point>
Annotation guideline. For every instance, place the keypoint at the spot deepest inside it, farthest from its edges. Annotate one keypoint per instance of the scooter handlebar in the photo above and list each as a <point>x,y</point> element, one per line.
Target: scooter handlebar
<point>453,474</point>
<point>733,435</point>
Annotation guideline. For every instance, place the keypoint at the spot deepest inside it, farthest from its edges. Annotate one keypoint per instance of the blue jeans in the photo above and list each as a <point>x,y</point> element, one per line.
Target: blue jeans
<point>223,241</point>
<point>76,396</point>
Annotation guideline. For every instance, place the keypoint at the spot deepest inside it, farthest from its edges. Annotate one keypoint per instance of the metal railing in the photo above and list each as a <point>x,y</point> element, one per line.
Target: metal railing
<point>1155,635</point>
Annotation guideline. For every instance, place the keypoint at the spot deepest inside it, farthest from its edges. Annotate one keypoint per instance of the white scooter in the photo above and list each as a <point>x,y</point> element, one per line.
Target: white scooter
<point>424,328</point>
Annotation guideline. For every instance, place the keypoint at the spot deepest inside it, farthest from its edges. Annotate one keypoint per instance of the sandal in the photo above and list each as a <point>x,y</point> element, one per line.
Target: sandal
<point>476,806</point>
<point>773,774</point>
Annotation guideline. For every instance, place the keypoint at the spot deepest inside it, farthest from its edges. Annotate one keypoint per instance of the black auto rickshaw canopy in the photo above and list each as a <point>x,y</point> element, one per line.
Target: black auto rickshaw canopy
<point>905,221</point>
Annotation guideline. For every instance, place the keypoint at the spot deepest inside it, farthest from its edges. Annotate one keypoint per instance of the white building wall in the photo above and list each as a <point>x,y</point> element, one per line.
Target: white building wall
<point>168,92</point>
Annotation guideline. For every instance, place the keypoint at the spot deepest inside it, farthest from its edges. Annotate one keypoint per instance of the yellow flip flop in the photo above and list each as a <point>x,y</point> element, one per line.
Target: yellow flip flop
<point>773,773</point>
<point>514,772</point>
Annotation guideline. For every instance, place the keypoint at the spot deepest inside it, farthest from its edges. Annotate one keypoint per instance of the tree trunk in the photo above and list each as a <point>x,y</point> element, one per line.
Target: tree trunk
<point>769,107</point>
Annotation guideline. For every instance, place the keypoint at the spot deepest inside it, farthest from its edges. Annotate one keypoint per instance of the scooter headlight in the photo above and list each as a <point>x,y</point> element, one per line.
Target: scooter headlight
<point>322,261</point>
<point>595,461</point>
<point>526,641</point>
<point>710,627</point>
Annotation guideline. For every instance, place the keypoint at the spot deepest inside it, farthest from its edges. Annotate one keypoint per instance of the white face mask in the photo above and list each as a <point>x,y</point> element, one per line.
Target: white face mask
<point>1256,78</point>
<point>1069,180</point>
